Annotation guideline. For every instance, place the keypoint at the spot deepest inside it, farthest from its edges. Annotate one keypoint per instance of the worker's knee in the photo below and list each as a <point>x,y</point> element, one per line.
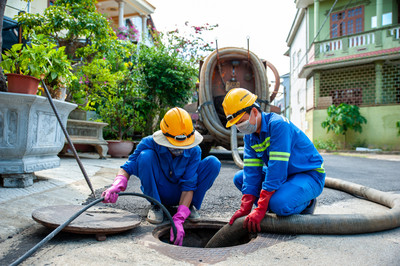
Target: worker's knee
<point>147,156</point>
<point>212,162</point>
<point>146,161</point>
<point>238,179</point>
<point>281,210</point>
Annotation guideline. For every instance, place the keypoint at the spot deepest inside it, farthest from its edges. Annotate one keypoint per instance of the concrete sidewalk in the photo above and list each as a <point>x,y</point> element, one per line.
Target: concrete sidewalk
<point>58,186</point>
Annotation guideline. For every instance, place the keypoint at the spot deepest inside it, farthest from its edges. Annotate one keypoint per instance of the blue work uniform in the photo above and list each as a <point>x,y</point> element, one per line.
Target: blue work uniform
<point>293,167</point>
<point>165,178</point>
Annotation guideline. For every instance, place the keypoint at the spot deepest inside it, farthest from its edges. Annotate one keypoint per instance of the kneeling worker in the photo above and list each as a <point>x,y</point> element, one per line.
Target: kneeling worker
<point>293,175</point>
<point>170,170</point>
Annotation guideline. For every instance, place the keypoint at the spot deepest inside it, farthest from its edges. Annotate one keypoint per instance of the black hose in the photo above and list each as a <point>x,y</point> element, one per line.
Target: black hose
<point>73,217</point>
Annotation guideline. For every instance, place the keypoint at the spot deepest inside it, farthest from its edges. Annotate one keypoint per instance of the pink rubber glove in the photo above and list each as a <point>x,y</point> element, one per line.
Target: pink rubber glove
<point>179,218</point>
<point>110,195</point>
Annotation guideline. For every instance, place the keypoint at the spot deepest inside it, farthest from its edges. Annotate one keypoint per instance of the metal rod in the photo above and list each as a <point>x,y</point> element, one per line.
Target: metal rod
<point>248,48</point>
<point>218,64</point>
<point>68,139</point>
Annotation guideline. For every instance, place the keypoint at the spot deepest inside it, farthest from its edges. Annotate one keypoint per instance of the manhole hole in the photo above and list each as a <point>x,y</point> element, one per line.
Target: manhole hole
<point>196,237</point>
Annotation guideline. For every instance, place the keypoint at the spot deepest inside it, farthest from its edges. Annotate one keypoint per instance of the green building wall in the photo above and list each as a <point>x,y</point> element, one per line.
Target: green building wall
<point>379,132</point>
<point>369,12</point>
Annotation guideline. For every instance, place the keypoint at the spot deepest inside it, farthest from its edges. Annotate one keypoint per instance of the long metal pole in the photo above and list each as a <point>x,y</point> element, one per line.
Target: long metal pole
<point>69,139</point>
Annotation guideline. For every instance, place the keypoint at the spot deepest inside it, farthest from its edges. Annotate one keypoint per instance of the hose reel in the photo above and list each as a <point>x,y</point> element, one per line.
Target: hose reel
<point>208,113</point>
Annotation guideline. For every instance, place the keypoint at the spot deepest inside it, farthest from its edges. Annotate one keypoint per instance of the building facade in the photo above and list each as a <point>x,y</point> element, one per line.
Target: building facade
<point>347,51</point>
<point>121,13</point>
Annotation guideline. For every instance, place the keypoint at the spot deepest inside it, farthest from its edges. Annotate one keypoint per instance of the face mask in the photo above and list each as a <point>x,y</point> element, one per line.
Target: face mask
<point>176,152</point>
<point>247,128</point>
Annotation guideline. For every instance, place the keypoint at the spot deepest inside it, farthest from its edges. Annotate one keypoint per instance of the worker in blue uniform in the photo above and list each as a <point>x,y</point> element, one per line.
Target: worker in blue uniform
<point>170,170</point>
<point>283,171</point>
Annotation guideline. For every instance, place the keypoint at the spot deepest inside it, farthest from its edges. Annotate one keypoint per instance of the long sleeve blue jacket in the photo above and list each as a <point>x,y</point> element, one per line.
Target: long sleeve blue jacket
<point>283,148</point>
<point>181,169</point>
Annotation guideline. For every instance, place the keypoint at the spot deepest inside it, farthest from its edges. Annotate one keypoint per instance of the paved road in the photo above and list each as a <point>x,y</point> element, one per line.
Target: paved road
<point>221,201</point>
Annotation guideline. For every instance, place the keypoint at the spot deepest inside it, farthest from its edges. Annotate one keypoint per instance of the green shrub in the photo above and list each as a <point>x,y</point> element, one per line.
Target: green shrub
<point>343,117</point>
<point>328,145</point>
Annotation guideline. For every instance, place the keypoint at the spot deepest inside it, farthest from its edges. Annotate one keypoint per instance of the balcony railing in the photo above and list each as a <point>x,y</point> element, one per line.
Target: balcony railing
<point>368,41</point>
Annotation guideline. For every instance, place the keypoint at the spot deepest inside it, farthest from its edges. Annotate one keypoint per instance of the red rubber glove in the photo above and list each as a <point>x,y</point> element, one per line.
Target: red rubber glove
<point>179,218</point>
<point>253,220</point>
<point>110,195</point>
<point>245,207</point>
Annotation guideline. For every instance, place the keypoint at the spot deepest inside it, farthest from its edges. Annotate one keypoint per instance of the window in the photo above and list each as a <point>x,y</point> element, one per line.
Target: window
<point>298,57</point>
<point>386,20</point>
<point>310,93</point>
<point>347,22</point>
<point>294,60</point>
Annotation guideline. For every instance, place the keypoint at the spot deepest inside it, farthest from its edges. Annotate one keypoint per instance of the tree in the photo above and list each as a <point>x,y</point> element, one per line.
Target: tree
<point>3,86</point>
<point>75,24</point>
<point>343,117</point>
<point>167,82</point>
<point>87,36</point>
<point>169,71</point>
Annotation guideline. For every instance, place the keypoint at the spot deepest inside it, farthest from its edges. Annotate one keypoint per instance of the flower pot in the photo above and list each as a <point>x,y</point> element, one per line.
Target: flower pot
<point>22,84</point>
<point>120,148</point>
<point>30,136</point>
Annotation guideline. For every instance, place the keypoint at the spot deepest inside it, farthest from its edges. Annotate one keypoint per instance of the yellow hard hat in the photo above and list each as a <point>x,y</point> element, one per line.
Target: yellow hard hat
<point>177,127</point>
<point>236,103</point>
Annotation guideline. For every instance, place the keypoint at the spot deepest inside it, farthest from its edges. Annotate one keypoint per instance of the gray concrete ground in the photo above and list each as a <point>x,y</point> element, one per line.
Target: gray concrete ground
<point>66,185</point>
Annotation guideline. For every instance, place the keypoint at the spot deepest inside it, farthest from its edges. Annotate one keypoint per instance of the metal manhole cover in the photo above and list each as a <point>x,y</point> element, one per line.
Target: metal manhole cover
<point>96,220</point>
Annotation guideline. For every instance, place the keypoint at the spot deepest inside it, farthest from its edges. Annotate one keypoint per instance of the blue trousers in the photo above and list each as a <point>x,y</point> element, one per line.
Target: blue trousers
<point>155,184</point>
<point>294,195</point>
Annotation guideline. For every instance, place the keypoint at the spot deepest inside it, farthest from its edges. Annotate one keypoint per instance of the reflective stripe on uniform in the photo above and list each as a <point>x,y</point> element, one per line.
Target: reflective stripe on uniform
<point>262,146</point>
<point>279,156</point>
<point>321,169</point>
<point>253,162</point>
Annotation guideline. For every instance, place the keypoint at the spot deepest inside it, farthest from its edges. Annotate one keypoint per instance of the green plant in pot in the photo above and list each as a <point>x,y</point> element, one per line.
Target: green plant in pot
<point>19,64</point>
<point>38,60</point>
<point>118,107</point>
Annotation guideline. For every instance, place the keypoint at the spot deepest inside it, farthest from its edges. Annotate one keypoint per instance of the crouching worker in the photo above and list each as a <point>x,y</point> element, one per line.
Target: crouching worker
<point>293,175</point>
<point>170,170</point>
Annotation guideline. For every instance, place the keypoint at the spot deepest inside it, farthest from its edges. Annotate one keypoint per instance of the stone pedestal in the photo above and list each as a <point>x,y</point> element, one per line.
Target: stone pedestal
<point>88,132</point>
<point>30,135</point>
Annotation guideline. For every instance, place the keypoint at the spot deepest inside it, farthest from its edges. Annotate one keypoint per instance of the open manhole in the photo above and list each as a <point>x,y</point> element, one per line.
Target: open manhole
<point>198,234</point>
<point>196,237</point>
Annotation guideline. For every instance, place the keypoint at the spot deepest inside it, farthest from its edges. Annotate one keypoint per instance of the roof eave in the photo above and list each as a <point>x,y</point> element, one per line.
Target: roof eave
<point>307,70</point>
<point>295,26</point>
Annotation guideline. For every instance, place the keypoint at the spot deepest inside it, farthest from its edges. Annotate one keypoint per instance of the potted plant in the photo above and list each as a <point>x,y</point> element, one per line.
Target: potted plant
<point>38,60</point>
<point>32,135</point>
<point>19,66</point>
<point>117,107</point>
<point>118,110</point>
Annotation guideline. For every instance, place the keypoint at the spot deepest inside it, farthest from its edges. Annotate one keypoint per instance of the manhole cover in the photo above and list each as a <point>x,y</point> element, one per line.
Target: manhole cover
<point>197,236</point>
<point>99,221</point>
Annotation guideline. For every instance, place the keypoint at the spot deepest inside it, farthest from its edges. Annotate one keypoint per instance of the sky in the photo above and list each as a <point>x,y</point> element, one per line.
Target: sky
<point>266,22</point>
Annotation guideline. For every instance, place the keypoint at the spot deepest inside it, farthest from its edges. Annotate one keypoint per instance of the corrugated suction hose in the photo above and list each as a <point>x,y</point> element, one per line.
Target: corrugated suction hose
<point>332,224</point>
